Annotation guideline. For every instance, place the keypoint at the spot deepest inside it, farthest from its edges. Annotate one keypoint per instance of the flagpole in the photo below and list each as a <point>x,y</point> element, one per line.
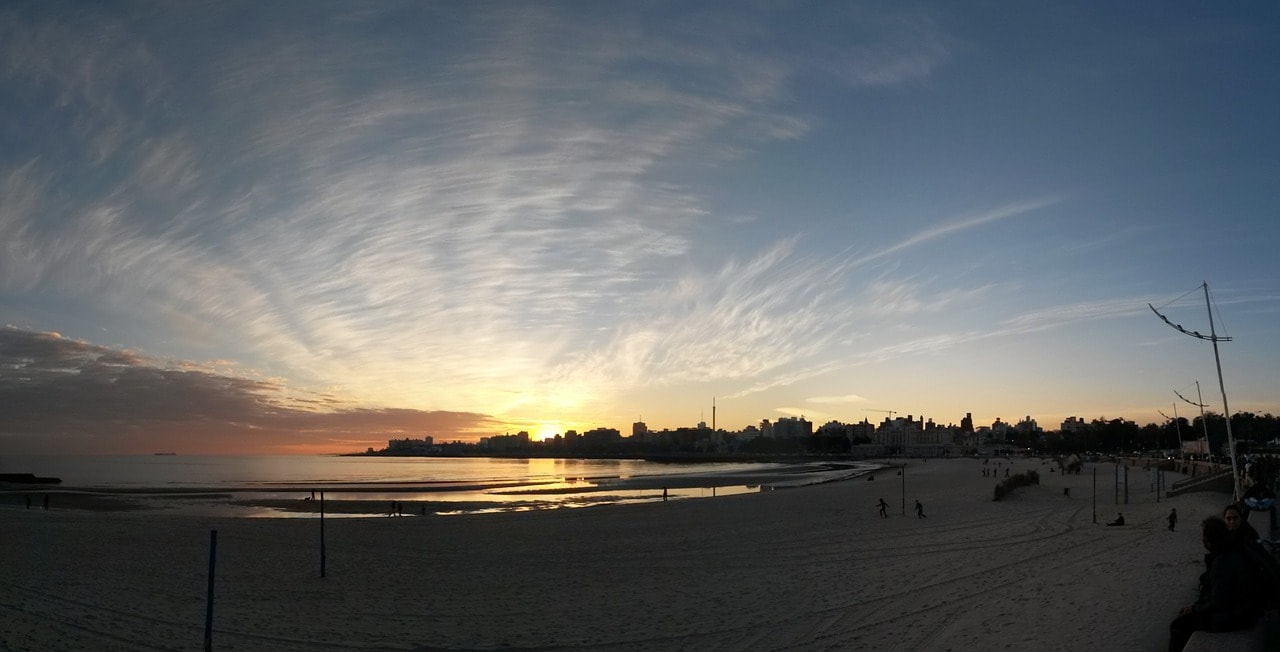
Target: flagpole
<point>1231,440</point>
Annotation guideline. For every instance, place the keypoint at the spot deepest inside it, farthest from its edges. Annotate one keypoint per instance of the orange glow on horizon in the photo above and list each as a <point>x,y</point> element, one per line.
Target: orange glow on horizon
<point>547,430</point>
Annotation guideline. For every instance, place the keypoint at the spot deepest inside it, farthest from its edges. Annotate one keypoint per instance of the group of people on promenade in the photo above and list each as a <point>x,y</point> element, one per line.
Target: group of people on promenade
<point>1241,579</point>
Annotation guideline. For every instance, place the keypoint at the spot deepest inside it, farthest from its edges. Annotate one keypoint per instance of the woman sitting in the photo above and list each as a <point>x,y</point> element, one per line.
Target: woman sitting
<point>1229,593</point>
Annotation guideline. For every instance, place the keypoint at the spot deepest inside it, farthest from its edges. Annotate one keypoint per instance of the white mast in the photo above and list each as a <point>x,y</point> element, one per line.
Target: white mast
<point>1177,426</point>
<point>1204,423</point>
<point>1213,337</point>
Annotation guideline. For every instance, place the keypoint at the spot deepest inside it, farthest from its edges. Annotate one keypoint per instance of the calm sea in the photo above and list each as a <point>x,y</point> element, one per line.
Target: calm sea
<point>274,485</point>
<point>215,472</point>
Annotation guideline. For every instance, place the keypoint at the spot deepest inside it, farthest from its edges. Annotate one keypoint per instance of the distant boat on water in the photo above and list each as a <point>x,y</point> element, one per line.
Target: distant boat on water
<point>164,453</point>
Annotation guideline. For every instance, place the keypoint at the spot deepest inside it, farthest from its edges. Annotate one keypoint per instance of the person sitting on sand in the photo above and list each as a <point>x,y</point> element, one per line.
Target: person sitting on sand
<point>1229,595</point>
<point>1119,520</point>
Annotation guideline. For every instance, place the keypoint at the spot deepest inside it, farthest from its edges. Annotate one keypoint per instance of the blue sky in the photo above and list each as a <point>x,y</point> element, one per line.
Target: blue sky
<point>317,225</point>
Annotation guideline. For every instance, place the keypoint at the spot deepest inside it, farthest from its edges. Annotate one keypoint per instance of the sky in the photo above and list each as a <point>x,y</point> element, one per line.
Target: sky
<point>287,227</point>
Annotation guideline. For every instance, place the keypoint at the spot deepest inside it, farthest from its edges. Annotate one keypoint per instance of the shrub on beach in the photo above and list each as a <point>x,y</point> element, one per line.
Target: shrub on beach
<point>1012,482</point>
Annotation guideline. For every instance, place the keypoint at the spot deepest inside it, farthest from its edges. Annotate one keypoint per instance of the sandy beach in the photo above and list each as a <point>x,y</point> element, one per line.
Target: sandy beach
<point>809,568</point>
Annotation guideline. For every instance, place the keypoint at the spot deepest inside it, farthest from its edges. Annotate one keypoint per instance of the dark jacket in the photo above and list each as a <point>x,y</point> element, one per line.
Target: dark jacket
<point>1247,532</point>
<point>1230,596</point>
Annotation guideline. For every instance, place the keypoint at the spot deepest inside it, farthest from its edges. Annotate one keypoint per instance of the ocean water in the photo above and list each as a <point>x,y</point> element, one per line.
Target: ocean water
<point>266,471</point>
<point>280,486</point>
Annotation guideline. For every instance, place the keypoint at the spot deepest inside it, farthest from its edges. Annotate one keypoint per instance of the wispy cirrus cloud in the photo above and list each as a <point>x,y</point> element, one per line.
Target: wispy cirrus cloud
<point>888,298</point>
<point>477,216</point>
<point>887,48</point>
<point>960,225</point>
<point>93,87</point>
<point>1055,317</point>
<point>750,319</point>
<point>838,400</point>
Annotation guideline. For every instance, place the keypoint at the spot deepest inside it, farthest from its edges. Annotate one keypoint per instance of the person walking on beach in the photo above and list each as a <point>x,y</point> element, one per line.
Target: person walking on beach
<point>882,505</point>
<point>1173,518</point>
<point>919,510</point>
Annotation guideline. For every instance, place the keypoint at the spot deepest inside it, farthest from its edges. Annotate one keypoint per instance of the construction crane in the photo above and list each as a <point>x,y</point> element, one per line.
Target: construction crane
<point>889,412</point>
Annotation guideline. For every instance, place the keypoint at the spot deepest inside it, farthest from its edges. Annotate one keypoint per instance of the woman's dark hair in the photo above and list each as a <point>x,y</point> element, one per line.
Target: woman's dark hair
<point>1232,506</point>
<point>1215,532</point>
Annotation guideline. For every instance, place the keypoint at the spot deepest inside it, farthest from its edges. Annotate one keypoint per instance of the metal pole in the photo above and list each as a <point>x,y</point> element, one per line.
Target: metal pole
<point>1231,440</point>
<point>1178,428</point>
<point>1126,484</point>
<point>1095,494</point>
<point>904,489</point>
<point>1204,424</point>
<point>208,613</point>
<point>322,535</point>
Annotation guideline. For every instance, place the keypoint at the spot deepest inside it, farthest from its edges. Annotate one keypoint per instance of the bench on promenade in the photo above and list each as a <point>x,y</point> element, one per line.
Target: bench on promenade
<point>1264,636</point>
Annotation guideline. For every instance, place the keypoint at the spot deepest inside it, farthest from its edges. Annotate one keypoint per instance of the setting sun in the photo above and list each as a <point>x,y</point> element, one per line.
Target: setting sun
<point>547,430</point>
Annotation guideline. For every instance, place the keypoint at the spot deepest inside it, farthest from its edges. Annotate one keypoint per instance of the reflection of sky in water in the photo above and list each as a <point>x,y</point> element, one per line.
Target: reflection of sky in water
<point>540,484</point>
<point>411,503</point>
<point>379,504</point>
<point>139,471</point>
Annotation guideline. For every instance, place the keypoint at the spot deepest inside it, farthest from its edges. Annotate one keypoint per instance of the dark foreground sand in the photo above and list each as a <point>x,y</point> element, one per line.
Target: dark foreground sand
<point>809,568</point>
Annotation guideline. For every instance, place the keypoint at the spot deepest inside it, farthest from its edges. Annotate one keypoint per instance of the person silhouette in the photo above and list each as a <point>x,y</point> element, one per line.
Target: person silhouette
<point>882,505</point>
<point>1173,518</point>
<point>919,510</point>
